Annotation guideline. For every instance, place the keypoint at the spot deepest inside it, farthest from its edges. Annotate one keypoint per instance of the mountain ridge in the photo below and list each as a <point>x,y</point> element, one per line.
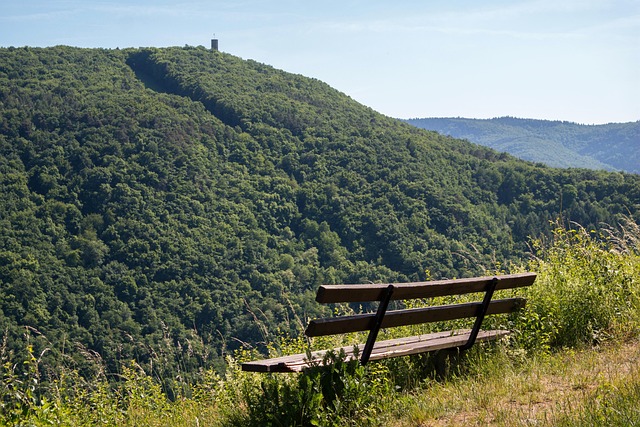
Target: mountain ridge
<point>612,146</point>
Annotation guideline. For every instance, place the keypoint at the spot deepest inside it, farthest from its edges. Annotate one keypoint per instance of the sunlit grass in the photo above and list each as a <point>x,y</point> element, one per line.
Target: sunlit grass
<point>570,387</point>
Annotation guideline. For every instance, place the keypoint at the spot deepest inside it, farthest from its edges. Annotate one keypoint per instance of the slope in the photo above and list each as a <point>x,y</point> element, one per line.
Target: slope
<point>174,204</point>
<point>613,146</point>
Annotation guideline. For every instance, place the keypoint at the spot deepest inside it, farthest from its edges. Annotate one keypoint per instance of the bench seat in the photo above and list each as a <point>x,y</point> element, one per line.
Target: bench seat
<point>381,350</point>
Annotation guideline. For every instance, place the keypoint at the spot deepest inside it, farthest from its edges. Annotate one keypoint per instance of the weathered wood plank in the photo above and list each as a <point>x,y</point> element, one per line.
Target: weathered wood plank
<point>435,344</point>
<point>436,288</point>
<point>382,350</point>
<point>279,364</point>
<point>364,322</point>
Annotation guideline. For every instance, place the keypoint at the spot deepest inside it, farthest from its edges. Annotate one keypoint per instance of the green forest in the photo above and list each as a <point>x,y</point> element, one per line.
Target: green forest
<point>177,204</point>
<point>612,146</point>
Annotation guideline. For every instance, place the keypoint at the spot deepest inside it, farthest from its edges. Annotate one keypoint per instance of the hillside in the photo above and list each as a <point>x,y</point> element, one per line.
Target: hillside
<point>614,146</point>
<point>179,202</point>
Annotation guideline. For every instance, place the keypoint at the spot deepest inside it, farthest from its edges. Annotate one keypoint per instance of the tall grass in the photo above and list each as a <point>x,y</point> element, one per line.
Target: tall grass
<point>587,290</point>
<point>587,293</point>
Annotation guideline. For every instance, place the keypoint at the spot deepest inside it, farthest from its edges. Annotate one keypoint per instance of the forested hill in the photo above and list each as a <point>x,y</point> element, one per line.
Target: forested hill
<point>176,202</point>
<point>614,146</point>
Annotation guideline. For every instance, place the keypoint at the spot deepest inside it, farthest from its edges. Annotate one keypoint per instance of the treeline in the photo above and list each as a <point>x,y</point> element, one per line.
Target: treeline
<point>181,202</point>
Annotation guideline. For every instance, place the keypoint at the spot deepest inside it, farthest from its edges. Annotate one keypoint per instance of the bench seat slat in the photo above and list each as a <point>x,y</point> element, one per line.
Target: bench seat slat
<point>382,350</point>
<point>363,322</point>
<point>437,288</point>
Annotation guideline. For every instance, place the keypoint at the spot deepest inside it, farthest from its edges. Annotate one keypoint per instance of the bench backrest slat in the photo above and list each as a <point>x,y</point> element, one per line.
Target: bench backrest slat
<point>364,322</point>
<point>404,291</point>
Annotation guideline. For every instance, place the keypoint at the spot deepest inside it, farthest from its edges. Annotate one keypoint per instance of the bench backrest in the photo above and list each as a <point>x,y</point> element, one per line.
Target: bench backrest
<point>431,289</point>
<point>406,291</point>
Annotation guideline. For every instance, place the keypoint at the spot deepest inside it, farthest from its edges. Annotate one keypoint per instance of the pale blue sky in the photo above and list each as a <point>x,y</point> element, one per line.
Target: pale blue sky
<point>575,60</point>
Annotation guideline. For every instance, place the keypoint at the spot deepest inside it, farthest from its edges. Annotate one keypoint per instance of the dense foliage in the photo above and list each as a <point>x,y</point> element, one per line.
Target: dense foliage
<point>613,146</point>
<point>171,204</point>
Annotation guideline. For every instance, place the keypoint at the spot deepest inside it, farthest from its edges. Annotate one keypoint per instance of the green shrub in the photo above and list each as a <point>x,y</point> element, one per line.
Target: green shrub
<point>587,290</point>
<point>336,392</point>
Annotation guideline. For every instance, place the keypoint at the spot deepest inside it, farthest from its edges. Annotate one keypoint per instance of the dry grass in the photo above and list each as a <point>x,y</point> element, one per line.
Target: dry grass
<point>525,394</point>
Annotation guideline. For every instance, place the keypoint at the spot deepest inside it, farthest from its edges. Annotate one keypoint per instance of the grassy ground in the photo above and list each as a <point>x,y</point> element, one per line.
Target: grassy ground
<point>568,388</point>
<point>589,387</point>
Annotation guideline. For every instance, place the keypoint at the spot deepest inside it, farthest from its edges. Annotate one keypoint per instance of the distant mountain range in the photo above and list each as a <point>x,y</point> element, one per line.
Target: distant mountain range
<point>614,146</point>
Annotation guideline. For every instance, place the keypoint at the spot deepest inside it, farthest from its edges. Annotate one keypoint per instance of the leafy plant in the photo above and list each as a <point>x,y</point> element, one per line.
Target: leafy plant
<point>337,391</point>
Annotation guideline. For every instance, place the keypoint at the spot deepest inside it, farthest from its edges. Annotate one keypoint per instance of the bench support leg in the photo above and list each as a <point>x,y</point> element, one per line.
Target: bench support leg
<point>481,313</point>
<point>446,361</point>
<point>373,333</point>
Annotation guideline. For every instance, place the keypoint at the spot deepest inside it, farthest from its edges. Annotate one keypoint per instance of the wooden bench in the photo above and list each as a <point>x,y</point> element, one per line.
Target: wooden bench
<point>373,322</point>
